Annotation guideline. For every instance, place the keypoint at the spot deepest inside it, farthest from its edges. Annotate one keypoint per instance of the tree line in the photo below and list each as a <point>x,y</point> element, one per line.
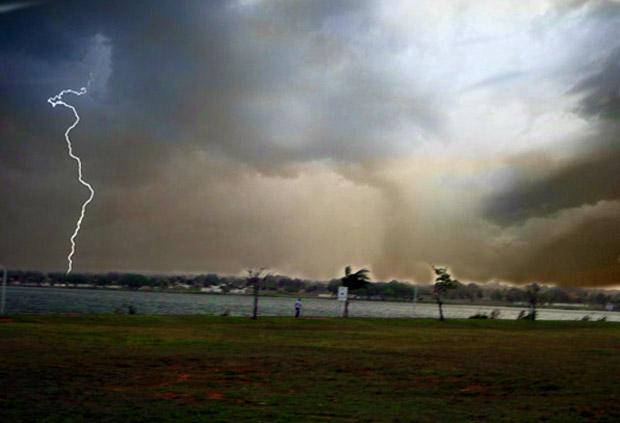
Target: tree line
<point>459,292</point>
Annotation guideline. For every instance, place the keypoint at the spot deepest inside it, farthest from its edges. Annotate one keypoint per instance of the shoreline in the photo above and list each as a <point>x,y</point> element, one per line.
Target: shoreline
<point>576,308</point>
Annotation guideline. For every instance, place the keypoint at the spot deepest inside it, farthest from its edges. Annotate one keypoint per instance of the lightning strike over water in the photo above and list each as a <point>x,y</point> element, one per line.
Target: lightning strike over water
<point>55,101</point>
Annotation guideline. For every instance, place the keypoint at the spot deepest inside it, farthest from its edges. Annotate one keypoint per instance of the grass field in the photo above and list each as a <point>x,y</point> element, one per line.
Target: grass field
<point>197,368</point>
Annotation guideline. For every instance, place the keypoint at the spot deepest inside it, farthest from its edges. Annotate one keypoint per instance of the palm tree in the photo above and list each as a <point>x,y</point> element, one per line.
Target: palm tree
<point>443,282</point>
<point>353,281</point>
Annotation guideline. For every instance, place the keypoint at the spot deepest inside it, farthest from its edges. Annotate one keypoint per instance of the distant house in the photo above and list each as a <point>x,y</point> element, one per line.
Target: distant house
<point>181,286</point>
<point>238,291</point>
<point>212,289</point>
<point>326,296</point>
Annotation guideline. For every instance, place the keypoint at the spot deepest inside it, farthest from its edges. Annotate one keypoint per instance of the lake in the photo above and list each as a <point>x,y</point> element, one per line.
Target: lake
<point>22,300</point>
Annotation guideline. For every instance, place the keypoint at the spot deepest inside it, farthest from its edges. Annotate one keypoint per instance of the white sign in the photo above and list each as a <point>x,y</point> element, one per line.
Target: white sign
<point>342,293</point>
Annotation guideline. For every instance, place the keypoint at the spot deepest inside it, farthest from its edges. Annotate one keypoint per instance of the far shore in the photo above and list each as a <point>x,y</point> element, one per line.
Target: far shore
<point>584,307</point>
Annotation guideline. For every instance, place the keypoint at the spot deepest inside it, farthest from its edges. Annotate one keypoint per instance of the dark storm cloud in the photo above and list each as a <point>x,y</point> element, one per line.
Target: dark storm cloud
<point>584,180</point>
<point>591,174</point>
<point>601,91</point>
<point>220,135</point>
<point>586,255</point>
<point>270,86</point>
<point>285,81</point>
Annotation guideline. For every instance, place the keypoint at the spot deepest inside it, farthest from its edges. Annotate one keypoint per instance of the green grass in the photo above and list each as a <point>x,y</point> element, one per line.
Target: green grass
<point>197,368</point>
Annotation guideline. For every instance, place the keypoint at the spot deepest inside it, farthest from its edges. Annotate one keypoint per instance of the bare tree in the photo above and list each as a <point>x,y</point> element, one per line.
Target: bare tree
<point>255,279</point>
<point>353,281</point>
<point>443,282</point>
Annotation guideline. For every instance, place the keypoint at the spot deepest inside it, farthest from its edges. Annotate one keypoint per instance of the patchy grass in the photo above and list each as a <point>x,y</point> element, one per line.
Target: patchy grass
<point>197,368</point>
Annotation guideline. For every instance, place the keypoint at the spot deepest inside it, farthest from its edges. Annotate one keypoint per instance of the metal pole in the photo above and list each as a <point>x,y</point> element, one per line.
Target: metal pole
<point>3,301</point>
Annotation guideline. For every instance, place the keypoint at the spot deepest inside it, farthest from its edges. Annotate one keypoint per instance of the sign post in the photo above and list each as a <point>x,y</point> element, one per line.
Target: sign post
<point>343,292</point>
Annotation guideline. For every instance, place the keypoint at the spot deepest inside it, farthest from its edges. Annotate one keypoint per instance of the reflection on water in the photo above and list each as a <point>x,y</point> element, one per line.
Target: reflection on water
<point>58,300</point>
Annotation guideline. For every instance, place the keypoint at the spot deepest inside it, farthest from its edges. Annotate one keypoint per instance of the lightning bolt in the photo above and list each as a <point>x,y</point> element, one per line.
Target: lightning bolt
<point>56,101</point>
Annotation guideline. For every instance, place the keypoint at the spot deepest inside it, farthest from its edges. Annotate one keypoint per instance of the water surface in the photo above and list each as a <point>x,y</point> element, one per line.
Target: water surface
<point>62,300</point>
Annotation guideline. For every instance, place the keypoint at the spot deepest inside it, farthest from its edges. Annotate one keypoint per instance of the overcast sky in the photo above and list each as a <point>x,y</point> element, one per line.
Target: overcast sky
<point>304,136</point>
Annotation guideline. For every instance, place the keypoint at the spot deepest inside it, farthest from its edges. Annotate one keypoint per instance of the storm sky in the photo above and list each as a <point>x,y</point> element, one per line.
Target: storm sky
<point>304,136</point>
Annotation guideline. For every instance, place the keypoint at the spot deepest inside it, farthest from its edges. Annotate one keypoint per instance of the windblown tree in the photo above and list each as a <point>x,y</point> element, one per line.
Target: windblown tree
<point>443,282</point>
<point>255,279</point>
<point>354,280</point>
<point>533,297</point>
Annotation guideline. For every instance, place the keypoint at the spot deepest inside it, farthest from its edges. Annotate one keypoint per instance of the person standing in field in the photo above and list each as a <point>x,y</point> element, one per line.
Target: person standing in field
<point>297,307</point>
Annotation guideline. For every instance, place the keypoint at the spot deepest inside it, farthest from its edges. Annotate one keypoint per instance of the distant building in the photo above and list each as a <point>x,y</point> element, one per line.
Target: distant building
<point>212,289</point>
